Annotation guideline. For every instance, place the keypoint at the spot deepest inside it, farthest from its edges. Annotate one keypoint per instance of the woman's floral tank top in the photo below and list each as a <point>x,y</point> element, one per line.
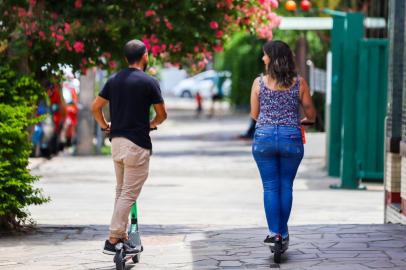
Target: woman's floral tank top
<point>278,107</point>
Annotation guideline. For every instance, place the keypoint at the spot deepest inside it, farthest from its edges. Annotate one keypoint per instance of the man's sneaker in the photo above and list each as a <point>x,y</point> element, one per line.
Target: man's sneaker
<point>109,248</point>
<point>270,241</point>
<point>127,243</point>
<point>129,249</point>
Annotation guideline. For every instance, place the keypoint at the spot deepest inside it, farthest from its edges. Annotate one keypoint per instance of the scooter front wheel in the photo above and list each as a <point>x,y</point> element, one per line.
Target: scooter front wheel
<point>119,259</point>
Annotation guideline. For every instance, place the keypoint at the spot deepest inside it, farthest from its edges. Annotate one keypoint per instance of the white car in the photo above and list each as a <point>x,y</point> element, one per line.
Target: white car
<point>204,83</point>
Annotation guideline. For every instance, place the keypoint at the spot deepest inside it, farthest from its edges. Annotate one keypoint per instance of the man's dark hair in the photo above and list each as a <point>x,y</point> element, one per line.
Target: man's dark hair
<point>134,50</point>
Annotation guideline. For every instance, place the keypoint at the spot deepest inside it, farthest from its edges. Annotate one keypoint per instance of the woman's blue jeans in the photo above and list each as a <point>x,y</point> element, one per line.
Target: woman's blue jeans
<point>278,151</point>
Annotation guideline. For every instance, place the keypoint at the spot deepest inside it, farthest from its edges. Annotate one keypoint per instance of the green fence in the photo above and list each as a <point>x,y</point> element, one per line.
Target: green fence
<point>357,111</point>
<point>371,108</point>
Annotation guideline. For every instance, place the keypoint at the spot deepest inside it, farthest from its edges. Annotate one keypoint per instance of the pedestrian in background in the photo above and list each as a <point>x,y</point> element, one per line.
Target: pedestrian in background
<point>277,146</point>
<point>199,104</point>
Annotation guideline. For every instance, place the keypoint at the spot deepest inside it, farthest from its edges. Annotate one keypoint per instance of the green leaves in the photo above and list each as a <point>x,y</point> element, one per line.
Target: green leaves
<point>18,90</point>
<point>17,94</point>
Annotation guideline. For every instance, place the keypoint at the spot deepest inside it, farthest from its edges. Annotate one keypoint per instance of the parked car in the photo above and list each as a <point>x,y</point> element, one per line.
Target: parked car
<point>204,82</point>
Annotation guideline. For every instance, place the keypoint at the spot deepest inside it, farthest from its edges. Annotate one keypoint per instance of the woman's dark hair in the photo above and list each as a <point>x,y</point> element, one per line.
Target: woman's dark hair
<point>134,50</point>
<point>281,66</point>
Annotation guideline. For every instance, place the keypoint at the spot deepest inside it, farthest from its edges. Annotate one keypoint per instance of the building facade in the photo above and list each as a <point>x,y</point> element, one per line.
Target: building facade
<point>395,141</point>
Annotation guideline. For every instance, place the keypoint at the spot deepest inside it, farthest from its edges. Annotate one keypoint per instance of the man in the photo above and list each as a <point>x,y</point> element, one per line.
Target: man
<point>130,94</point>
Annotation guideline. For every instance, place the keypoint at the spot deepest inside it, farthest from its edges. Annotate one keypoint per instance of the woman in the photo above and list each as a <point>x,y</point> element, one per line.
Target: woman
<point>277,146</point>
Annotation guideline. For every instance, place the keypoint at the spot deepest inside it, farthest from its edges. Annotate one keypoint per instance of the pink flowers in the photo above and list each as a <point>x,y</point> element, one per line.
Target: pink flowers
<point>107,55</point>
<point>219,34</point>
<point>150,13</point>
<point>66,28</point>
<point>78,3</point>
<point>147,43</point>
<point>41,35</point>
<point>265,33</point>
<point>79,47</point>
<point>154,39</point>
<point>68,46</point>
<point>59,37</point>
<point>156,49</point>
<point>218,48</point>
<point>22,12</point>
<point>274,3</point>
<point>168,24</point>
<point>214,25</point>
<point>152,44</point>
<point>112,64</point>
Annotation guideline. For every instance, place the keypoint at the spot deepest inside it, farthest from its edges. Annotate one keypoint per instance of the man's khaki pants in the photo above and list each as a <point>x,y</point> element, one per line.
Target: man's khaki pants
<point>131,164</point>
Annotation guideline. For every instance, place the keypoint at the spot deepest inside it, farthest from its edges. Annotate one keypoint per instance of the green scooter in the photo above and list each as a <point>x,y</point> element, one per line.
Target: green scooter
<point>120,258</point>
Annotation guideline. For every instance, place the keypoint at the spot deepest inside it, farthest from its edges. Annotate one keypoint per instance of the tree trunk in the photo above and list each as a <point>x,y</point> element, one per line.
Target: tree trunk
<point>86,123</point>
<point>302,49</point>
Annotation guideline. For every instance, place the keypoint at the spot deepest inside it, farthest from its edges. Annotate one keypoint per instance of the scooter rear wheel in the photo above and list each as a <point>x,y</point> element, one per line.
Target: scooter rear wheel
<point>136,258</point>
<point>278,250</point>
<point>277,256</point>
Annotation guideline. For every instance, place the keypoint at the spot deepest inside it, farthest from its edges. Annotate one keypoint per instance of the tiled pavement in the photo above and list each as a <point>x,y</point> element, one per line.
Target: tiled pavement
<point>324,247</point>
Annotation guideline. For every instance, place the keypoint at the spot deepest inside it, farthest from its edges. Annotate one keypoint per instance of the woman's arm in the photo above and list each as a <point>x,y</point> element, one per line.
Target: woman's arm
<point>307,103</point>
<point>255,99</point>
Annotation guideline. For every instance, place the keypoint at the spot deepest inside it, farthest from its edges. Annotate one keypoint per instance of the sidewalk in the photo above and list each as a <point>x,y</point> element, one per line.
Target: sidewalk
<point>202,208</point>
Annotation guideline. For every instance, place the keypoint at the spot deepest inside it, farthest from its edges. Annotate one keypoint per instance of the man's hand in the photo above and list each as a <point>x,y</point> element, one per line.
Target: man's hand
<point>152,125</point>
<point>159,117</point>
<point>106,129</point>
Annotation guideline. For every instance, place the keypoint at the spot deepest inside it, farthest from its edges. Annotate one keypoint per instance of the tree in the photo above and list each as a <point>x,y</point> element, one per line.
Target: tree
<point>37,36</point>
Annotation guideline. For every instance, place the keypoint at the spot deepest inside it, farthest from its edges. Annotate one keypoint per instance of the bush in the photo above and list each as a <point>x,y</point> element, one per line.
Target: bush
<point>242,56</point>
<point>17,96</point>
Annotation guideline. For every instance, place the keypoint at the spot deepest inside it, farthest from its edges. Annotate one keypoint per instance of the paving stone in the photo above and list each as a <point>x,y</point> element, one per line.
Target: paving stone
<point>230,263</point>
<point>388,244</point>
<point>379,264</point>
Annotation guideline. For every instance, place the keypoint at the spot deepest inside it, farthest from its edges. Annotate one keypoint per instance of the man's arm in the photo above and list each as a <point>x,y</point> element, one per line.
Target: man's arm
<point>160,115</point>
<point>97,107</point>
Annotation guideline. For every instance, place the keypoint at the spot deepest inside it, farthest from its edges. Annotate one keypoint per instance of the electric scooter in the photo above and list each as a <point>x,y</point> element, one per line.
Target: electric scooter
<point>279,248</point>
<point>120,258</point>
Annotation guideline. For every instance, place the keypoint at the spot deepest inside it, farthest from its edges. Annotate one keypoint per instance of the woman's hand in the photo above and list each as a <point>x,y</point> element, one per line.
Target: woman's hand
<point>306,122</point>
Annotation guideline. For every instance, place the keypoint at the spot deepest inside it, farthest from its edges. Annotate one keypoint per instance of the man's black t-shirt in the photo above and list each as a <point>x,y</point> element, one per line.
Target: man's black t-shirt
<point>131,93</point>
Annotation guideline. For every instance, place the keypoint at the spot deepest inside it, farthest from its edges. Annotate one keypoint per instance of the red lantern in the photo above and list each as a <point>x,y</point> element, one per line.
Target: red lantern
<point>305,5</point>
<point>290,5</point>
